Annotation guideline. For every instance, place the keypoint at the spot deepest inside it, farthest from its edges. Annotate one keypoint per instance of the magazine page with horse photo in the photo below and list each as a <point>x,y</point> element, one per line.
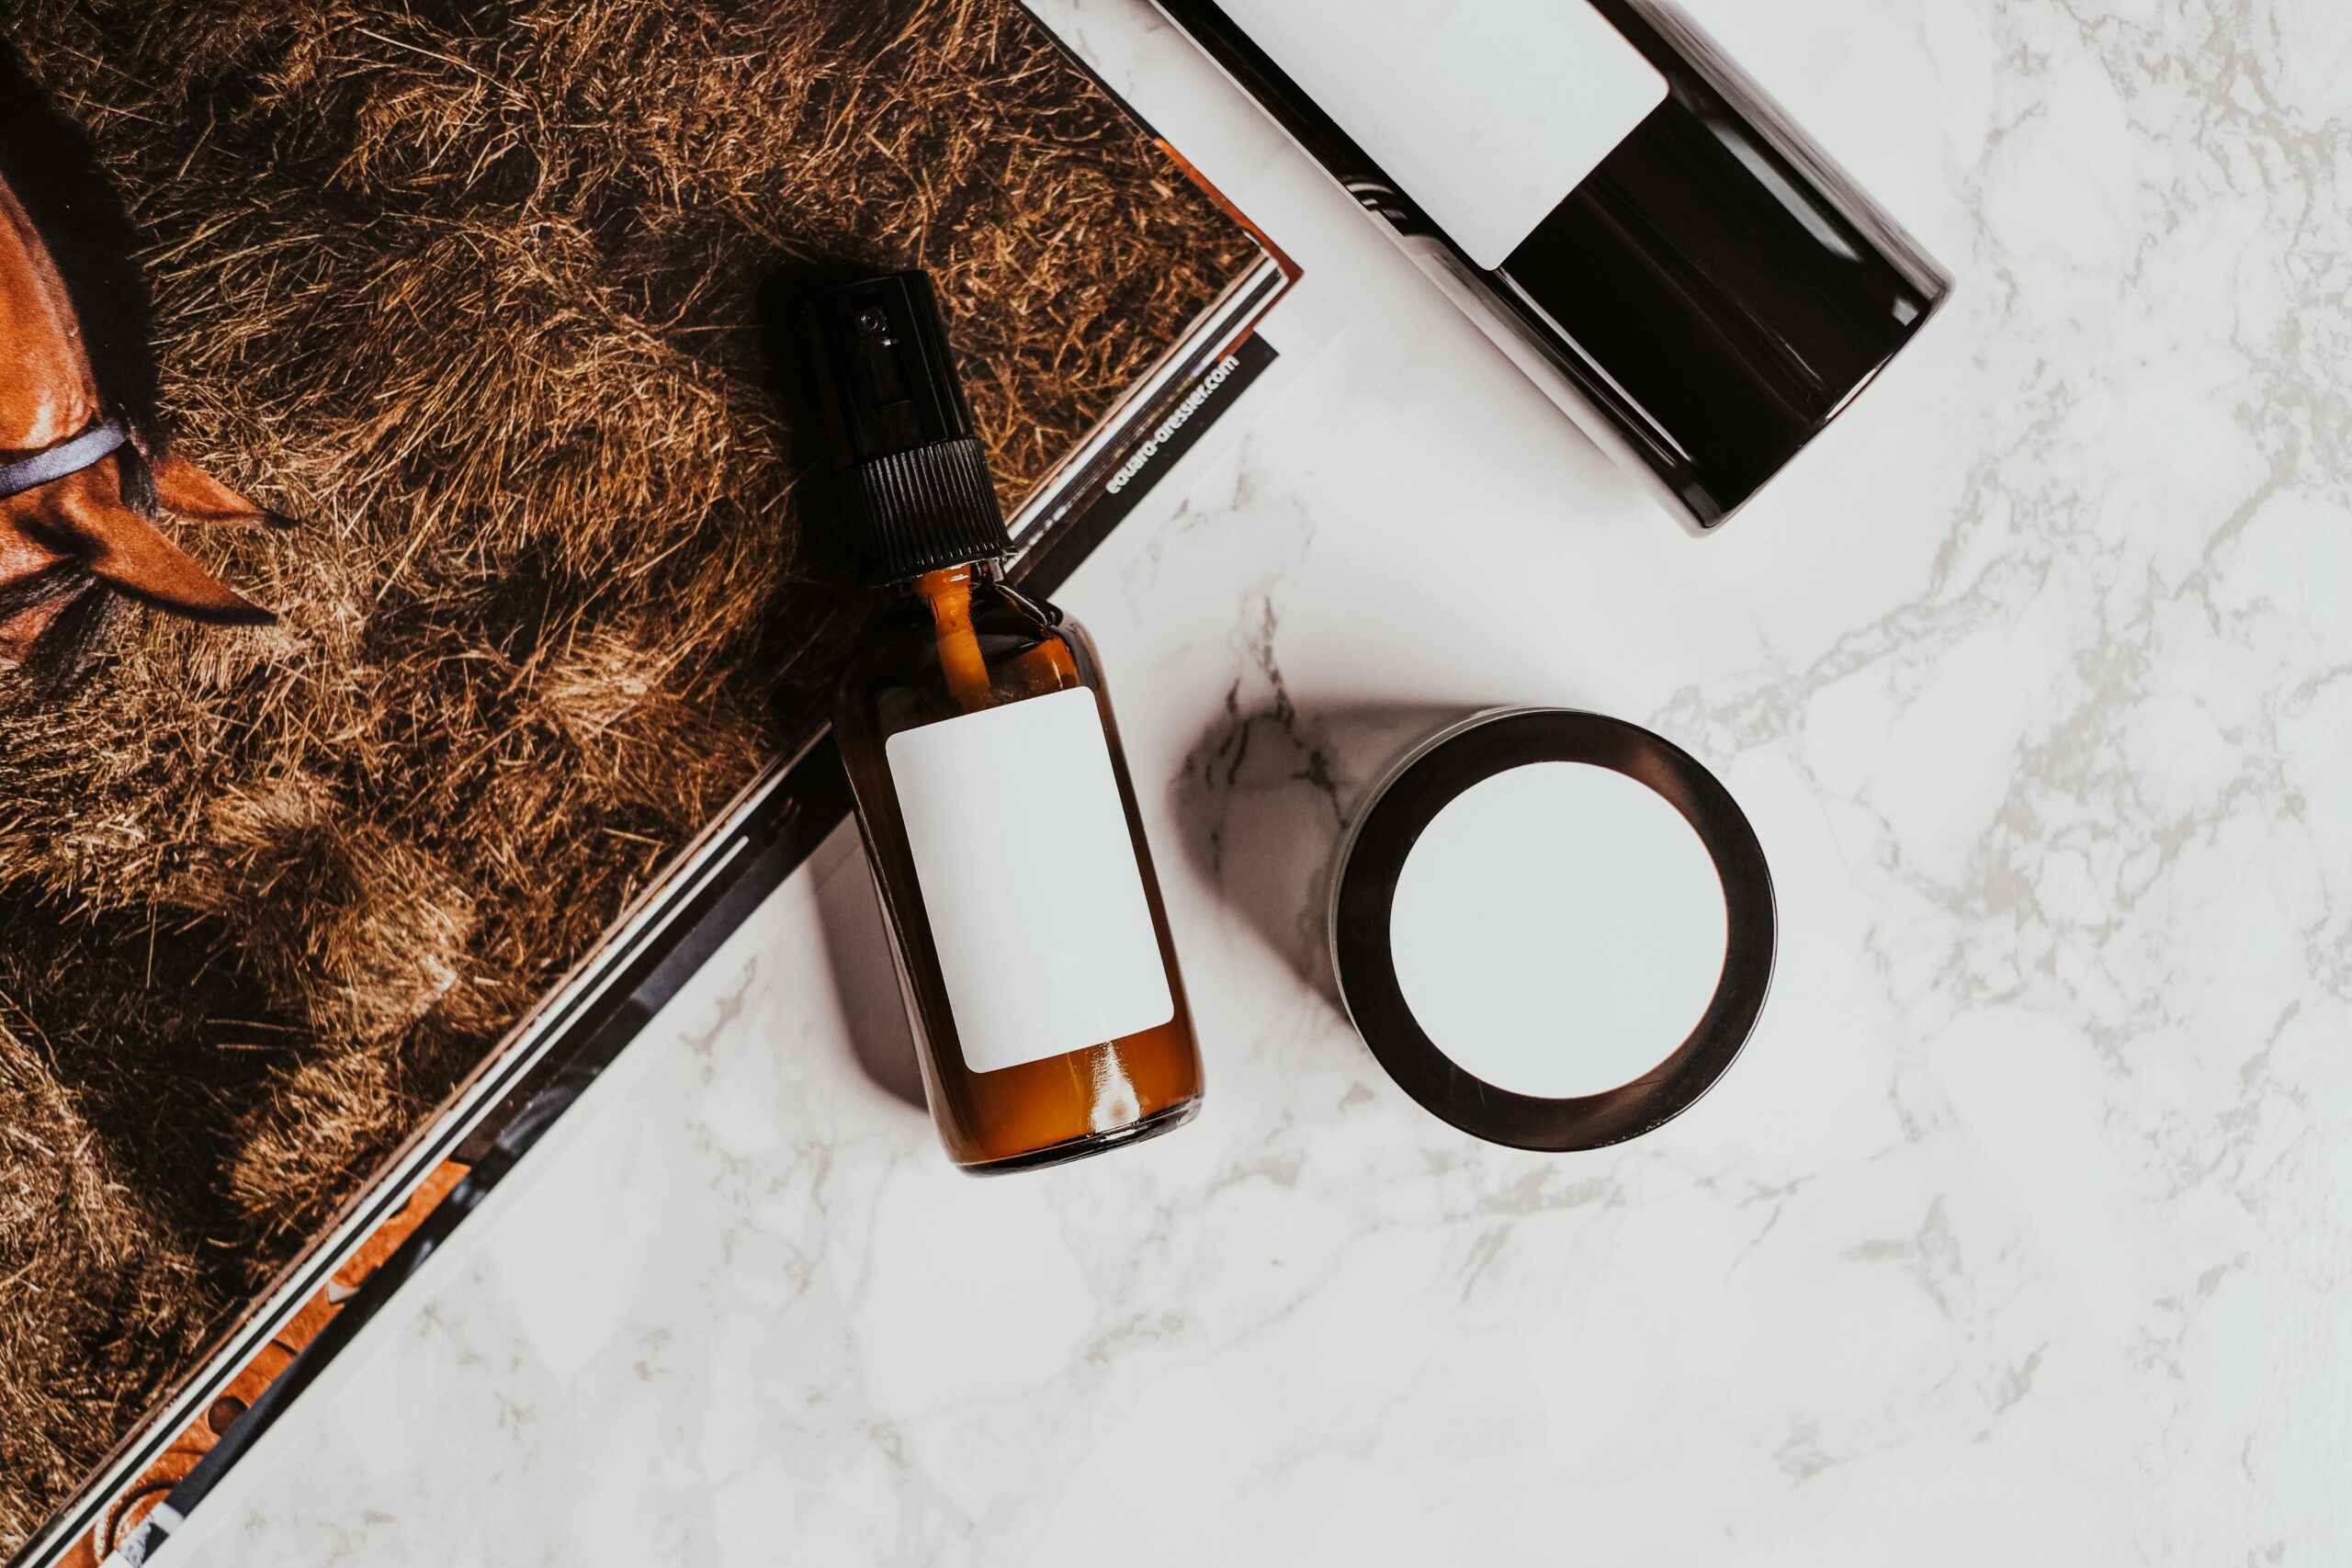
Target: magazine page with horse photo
<point>402,473</point>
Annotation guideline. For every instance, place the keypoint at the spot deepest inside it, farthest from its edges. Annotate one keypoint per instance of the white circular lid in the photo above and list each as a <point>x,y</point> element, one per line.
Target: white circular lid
<point>1559,929</point>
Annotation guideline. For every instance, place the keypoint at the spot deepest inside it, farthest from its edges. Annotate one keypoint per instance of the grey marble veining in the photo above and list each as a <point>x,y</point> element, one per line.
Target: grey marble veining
<point>2019,1235</point>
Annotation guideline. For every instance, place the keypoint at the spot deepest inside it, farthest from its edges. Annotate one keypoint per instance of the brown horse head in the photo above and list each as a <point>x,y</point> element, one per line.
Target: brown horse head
<point>70,544</point>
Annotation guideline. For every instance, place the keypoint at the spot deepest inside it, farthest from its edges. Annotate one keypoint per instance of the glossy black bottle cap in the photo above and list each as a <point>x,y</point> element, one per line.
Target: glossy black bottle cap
<point>911,475</point>
<point>1721,290</point>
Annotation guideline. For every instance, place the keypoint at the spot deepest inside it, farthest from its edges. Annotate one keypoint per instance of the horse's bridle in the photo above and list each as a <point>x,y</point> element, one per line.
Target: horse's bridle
<point>94,446</point>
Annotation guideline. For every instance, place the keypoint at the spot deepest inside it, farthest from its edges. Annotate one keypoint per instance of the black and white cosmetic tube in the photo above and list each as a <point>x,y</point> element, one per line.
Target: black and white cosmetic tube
<point>1618,206</point>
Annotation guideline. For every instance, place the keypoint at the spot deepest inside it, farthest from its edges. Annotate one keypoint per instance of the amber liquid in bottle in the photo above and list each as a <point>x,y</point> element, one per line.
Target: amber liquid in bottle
<point>953,643</point>
<point>998,815</point>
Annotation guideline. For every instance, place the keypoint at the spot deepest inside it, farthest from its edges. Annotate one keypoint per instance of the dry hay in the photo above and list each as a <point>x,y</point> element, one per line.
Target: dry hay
<point>99,1299</point>
<point>482,293</point>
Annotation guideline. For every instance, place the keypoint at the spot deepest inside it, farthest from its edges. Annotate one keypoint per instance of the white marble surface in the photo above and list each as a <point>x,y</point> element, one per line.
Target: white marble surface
<point>2018,1235</point>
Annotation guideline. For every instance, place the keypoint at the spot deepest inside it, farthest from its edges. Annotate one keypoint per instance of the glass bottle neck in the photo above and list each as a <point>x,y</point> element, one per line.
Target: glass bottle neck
<point>927,585</point>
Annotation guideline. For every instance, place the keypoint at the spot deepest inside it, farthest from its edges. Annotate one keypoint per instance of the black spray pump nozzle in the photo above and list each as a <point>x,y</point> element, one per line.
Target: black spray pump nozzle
<point>891,383</point>
<point>913,479</point>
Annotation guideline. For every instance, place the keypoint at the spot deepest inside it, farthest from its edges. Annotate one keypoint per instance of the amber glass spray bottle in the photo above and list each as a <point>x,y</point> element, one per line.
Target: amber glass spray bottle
<point>991,788</point>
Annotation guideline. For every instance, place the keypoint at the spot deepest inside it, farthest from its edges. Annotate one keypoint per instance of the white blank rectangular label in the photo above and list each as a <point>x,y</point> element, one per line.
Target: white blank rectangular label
<point>1029,880</point>
<point>1486,112</point>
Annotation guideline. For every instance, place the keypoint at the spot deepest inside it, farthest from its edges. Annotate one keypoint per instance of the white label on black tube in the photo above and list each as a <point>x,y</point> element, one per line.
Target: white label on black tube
<point>1030,880</point>
<point>1487,113</point>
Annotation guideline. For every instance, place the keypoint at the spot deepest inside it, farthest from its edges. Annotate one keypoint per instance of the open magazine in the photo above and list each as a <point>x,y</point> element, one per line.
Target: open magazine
<point>413,630</point>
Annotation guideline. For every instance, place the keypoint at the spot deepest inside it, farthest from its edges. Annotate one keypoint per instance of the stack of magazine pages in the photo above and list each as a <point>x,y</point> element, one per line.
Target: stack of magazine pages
<point>416,612</point>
